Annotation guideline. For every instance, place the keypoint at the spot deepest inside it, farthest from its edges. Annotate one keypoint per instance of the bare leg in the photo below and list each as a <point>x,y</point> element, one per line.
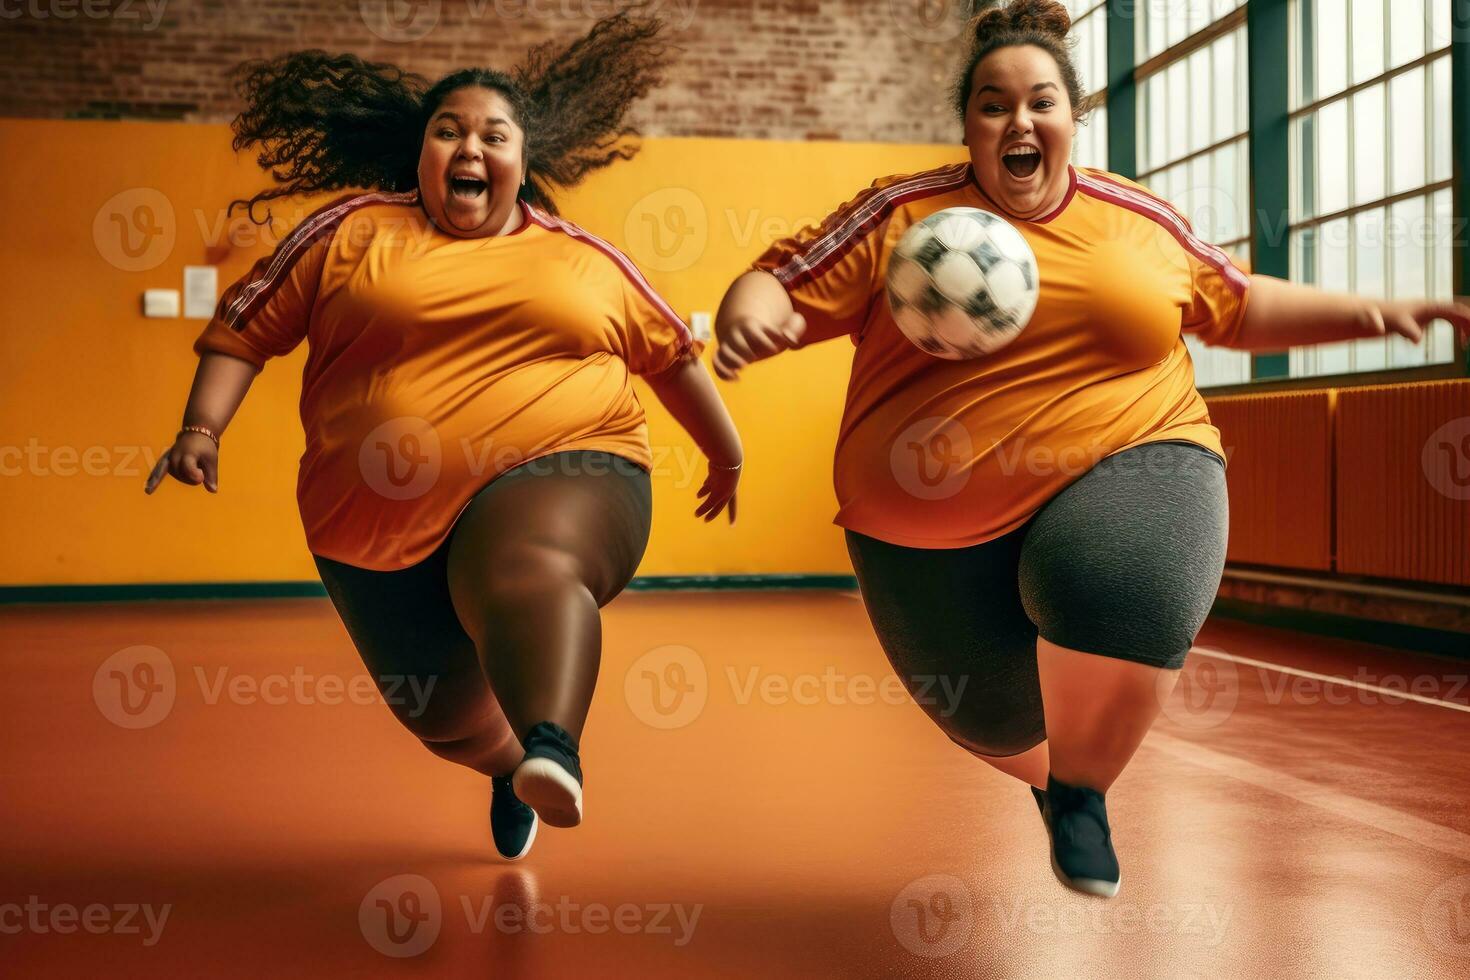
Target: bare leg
<point>1030,766</point>
<point>1098,709</point>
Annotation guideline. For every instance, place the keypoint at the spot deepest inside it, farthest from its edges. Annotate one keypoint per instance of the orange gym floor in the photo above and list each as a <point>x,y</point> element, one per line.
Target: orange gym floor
<point>759,803</point>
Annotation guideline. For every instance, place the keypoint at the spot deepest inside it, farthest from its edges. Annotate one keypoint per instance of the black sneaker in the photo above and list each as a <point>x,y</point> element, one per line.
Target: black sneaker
<point>512,823</point>
<point>549,778</point>
<point>1081,844</point>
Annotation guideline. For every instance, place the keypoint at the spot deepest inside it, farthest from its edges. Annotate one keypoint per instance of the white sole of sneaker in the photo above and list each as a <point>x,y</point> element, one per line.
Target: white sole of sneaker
<point>1088,886</point>
<point>550,790</point>
<point>526,847</point>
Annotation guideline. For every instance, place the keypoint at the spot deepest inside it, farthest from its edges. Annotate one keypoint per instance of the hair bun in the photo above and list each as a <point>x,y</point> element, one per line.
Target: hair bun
<point>1044,16</point>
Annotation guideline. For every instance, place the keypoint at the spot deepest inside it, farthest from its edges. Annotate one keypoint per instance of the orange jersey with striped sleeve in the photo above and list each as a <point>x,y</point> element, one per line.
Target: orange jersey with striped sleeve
<point>436,363</point>
<point>934,453</point>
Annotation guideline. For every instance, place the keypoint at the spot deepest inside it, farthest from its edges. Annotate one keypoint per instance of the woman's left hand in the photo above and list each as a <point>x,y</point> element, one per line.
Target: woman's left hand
<point>718,490</point>
<point>1408,318</point>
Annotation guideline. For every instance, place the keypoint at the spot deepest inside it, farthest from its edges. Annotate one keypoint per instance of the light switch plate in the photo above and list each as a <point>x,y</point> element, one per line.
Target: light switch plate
<point>201,291</point>
<point>699,325</point>
<point>161,302</point>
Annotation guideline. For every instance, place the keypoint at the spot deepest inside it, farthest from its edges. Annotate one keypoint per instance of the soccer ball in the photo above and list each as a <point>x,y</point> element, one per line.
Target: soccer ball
<point>962,283</point>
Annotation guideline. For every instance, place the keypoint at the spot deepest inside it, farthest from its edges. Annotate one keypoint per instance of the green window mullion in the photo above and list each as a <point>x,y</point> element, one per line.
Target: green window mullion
<point>1268,43</point>
<point>1460,143</point>
<point>1122,94</point>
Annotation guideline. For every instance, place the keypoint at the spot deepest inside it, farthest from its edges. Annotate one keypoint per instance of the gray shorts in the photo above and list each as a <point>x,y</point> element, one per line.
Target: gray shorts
<point>1125,563</point>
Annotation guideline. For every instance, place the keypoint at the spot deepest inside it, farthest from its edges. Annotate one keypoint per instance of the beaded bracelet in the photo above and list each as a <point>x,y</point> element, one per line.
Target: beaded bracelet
<point>202,431</point>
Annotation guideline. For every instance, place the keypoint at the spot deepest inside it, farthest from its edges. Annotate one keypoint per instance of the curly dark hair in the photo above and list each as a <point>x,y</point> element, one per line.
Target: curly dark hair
<point>327,122</point>
<point>1042,23</point>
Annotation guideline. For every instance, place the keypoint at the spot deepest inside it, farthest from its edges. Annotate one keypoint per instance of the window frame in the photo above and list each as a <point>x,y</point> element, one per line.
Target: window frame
<point>1270,35</point>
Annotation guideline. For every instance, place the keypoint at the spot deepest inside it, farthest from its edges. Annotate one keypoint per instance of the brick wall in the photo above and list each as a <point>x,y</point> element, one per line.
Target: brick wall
<point>874,70</point>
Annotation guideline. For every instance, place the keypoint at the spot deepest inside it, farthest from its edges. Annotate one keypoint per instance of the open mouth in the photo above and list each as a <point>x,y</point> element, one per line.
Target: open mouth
<point>466,188</point>
<point>1022,161</point>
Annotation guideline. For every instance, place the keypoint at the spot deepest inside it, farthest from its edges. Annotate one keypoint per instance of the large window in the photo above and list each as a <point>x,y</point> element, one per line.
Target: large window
<point>1193,135</point>
<point>1371,180</point>
<point>1090,33</point>
<point>1163,24</point>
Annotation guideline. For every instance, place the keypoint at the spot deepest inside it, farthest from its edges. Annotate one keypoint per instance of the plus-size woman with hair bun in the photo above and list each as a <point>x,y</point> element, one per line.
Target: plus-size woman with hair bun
<point>1062,571</point>
<point>475,483</point>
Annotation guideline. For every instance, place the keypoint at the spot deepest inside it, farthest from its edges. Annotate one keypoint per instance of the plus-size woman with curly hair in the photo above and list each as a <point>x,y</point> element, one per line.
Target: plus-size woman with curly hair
<point>475,483</point>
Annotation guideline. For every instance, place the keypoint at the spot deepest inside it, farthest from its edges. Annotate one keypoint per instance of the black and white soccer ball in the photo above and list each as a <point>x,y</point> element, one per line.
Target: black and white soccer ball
<point>962,283</point>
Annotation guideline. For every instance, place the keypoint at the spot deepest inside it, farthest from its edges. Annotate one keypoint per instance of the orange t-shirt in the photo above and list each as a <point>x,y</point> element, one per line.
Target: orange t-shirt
<point>934,453</point>
<point>437,363</point>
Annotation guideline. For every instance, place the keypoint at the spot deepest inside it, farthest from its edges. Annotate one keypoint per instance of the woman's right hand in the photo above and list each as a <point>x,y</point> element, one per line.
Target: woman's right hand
<point>192,459</point>
<point>747,338</point>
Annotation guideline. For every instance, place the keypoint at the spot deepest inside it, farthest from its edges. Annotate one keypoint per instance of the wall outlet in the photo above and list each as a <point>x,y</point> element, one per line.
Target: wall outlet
<point>161,302</point>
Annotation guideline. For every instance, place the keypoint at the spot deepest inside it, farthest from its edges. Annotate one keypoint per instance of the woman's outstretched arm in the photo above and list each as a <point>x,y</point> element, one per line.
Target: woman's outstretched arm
<point>1281,314</point>
<point>756,321</point>
<point>220,384</point>
<point>689,394</point>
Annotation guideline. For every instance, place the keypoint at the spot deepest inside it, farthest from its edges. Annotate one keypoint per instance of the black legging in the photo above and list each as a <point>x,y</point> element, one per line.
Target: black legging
<point>1124,563</point>
<point>511,597</point>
